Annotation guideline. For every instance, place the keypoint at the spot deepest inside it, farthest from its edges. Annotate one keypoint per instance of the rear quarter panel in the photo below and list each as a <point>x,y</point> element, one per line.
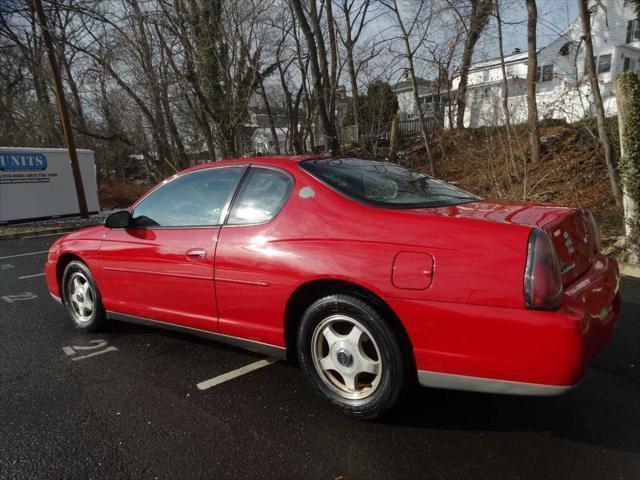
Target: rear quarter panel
<point>327,236</point>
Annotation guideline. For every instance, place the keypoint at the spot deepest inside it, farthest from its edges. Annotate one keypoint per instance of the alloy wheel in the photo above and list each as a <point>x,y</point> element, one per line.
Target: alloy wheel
<point>346,356</point>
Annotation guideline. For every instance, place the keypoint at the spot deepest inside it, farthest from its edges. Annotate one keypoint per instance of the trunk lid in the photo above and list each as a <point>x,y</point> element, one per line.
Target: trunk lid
<point>568,228</point>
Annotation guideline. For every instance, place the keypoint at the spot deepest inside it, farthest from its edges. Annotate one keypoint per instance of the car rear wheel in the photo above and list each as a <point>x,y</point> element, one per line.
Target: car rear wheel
<point>352,356</point>
<point>82,298</point>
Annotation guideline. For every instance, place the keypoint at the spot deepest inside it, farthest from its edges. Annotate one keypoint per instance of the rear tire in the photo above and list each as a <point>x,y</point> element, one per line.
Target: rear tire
<point>81,297</point>
<point>352,356</point>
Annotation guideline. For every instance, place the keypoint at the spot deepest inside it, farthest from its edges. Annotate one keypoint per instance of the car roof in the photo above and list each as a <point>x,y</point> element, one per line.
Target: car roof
<point>285,161</point>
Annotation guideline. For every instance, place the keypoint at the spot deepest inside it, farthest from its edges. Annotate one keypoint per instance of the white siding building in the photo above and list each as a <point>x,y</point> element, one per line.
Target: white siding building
<point>563,90</point>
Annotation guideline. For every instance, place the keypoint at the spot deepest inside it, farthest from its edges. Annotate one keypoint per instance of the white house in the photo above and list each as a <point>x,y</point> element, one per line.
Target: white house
<point>563,90</point>
<point>484,90</point>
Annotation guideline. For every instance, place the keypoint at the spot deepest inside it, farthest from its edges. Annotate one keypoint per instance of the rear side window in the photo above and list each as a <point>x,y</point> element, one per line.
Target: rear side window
<point>385,184</point>
<point>190,200</point>
<point>262,194</point>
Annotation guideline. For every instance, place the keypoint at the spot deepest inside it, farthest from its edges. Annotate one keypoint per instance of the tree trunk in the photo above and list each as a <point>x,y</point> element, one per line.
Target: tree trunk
<point>628,95</point>
<point>272,126</point>
<point>532,66</point>
<point>354,92</point>
<point>319,73</point>
<point>480,10</point>
<point>394,138</point>
<point>597,99</point>
<point>505,90</point>
<point>414,86</point>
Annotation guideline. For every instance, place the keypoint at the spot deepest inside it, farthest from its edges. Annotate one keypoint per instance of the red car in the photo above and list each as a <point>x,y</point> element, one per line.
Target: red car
<point>372,275</point>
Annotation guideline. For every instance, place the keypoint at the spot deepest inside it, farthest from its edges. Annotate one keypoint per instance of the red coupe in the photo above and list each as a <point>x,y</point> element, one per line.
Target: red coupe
<point>372,275</point>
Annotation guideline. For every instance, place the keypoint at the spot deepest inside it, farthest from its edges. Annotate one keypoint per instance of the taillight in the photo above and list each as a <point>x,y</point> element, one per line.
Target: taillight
<point>542,281</point>
<point>594,230</point>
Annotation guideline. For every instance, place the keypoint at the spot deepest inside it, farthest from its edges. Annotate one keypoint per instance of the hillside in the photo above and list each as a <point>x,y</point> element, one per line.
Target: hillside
<point>571,172</point>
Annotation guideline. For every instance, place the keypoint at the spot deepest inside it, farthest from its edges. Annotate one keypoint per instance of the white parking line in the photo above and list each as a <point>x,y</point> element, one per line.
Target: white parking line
<point>89,355</point>
<point>31,276</point>
<point>24,254</point>
<point>225,377</point>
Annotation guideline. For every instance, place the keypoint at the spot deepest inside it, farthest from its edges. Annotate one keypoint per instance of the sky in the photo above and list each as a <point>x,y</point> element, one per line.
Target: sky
<point>553,16</point>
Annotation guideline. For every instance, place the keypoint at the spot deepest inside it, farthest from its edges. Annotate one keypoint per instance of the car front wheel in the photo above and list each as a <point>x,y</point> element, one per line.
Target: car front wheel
<point>81,297</point>
<point>352,356</point>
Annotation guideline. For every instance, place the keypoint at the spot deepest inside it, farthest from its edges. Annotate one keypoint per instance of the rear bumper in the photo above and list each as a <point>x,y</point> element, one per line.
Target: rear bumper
<point>514,351</point>
<point>487,385</point>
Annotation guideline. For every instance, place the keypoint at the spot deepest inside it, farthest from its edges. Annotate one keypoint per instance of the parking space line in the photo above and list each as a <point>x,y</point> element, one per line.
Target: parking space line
<point>31,276</point>
<point>93,354</point>
<point>24,254</point>
<point>225,377</point>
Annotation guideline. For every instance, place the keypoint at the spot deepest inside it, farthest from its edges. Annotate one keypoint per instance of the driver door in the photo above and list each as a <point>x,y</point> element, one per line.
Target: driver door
<point>162,266</point>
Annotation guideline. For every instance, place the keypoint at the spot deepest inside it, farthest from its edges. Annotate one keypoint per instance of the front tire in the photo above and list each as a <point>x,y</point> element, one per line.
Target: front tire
<point>82,298</point>
<point>352,355</point>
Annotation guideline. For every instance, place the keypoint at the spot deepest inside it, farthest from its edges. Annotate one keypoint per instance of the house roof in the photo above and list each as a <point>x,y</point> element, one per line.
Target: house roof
<point>405,85</point>
<point>508,59</point>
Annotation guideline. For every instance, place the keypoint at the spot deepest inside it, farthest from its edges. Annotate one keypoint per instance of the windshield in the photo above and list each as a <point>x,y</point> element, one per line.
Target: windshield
<point>385,184</point>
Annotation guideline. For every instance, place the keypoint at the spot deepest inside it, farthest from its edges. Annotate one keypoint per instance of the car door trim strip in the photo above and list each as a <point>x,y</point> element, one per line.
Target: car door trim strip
<point>273,351</point>
<point>165,274</point>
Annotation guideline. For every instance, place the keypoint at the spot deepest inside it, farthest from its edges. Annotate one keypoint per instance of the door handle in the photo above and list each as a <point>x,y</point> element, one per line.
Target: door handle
<point>196,254</point>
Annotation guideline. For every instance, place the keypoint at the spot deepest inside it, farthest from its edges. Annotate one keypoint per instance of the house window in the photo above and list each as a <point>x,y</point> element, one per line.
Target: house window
<point>604,63</point>
<point>544,73</point>
<point>511,71</point>
<point>631,64</point>
<point>486,75</point>
<point>633,30</point>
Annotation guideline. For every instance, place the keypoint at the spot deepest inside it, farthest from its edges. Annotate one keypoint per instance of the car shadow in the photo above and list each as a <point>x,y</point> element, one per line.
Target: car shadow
<point>603,410</point>
<point>117,327</point>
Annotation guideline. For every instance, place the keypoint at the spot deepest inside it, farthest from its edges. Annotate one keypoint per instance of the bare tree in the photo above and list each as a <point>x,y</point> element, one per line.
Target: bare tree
<point>26,56</point>
<point>324,67</point>
<point>505,88</point>
<point>585,19</point>
<point>293,65</point>
<point>478,19</point>
<point>355,19</point>
<point>532,68</point>
<point>420,21</point>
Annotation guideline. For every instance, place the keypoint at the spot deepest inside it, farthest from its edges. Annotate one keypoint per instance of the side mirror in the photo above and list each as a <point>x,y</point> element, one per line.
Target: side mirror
<point>121,219</point>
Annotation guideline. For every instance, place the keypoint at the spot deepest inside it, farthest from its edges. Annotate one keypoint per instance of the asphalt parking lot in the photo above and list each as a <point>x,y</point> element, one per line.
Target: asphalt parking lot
<point>125,403</point>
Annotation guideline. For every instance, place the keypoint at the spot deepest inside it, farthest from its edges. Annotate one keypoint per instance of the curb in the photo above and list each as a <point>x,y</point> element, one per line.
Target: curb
<point>629,270</point>
<point>41,231</point>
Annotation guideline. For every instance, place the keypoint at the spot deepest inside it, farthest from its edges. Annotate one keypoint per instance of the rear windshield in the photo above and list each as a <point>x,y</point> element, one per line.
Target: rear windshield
<point>385,184</point>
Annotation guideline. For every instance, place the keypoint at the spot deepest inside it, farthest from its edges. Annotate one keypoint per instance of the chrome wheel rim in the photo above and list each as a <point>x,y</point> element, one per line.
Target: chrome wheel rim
<point>346,357</point>
<point>81,297</point>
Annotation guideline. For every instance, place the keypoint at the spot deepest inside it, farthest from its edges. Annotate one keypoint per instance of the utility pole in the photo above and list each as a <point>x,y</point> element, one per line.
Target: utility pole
<point>62,108</point>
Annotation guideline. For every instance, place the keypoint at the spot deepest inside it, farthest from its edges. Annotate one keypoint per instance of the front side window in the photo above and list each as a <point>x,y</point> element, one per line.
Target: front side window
<point>385,184</point>
<point>191,200</point>
<point>261,196</point>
